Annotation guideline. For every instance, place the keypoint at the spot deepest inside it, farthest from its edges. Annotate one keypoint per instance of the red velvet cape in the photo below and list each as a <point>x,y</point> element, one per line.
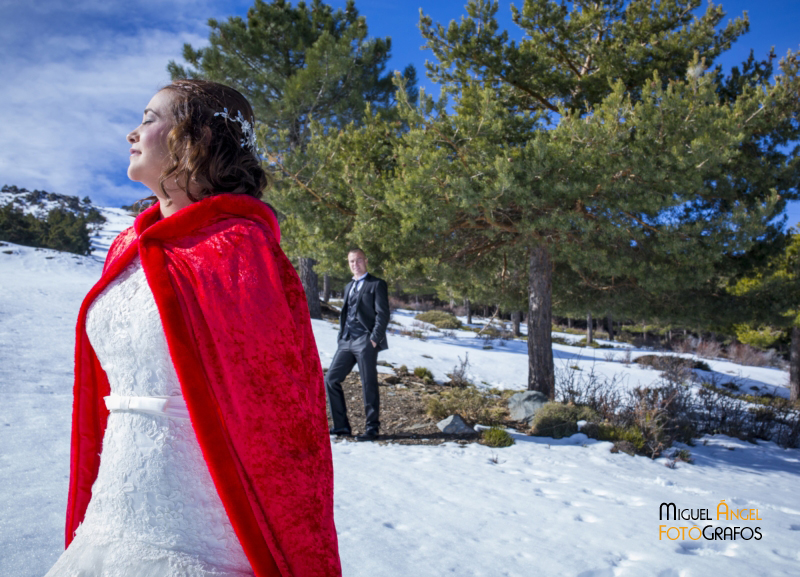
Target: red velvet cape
<point>239,334</point>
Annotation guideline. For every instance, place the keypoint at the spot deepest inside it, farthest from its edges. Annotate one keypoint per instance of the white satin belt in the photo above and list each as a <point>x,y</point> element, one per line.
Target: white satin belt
<point>174,406</point>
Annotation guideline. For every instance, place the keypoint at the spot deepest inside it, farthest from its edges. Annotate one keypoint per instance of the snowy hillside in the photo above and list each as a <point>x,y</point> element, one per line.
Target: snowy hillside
<point>40,202</point>
<point>541,507</point>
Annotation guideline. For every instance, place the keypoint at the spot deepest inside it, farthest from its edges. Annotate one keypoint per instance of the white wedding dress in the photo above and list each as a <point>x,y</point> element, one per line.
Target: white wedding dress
<point>154,510</point>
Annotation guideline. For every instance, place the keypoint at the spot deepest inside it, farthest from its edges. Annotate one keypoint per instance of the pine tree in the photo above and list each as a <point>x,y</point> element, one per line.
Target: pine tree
<point>773,295</point>
<point>297,65</point>
<point>596,143</point>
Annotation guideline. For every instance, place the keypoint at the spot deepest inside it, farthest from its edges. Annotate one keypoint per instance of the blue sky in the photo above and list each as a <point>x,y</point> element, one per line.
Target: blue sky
<point>75,75</point>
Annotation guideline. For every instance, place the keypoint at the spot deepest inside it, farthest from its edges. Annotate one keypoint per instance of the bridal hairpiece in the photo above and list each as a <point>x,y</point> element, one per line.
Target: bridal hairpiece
<point>248,129</point>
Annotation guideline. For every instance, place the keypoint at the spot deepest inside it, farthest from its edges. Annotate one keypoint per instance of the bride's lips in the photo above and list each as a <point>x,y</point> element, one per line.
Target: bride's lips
<point>135,152</point>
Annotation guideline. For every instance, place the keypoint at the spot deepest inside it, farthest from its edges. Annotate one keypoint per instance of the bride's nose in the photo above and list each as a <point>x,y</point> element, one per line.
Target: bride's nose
<point>132,136</point>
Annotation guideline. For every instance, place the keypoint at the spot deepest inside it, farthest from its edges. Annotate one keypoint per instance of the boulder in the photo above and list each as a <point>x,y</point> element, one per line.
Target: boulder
<point>523,406</point>
<point>454,425</point>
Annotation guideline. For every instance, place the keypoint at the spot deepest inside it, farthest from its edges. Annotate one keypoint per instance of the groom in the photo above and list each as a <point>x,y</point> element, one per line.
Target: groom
<point>362,334</point>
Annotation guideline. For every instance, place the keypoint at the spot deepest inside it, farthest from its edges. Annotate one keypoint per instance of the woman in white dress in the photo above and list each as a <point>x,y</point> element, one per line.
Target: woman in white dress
<point>197,377</point>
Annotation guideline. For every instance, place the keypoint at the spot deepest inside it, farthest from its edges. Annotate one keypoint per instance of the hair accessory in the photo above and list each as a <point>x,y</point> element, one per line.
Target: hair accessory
<point>248,130</point>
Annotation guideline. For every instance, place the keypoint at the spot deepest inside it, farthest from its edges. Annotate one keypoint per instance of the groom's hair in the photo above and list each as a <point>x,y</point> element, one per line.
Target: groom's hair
<point>357,249</point>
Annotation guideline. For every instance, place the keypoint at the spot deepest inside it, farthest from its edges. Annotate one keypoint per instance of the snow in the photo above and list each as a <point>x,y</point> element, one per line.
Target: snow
<point>541,507</point>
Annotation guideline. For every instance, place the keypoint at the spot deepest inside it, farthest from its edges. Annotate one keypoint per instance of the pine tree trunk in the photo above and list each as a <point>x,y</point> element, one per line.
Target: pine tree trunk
<point>794,365</point>
<point>311,285</point>
<point>516,318</point>
<point>469,311</point>
<point>610,322</point>
<point>326,287</point>
<point>589,329</point>
<point>569,322</point>
<point>541,375</point>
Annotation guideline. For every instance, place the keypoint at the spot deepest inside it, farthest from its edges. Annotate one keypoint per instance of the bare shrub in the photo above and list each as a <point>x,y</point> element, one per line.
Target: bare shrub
<point>750,356</point>
<point>610,356</point>
<point>601,394</point>
<point>648,420</point>
<point>675,369</point>
<point>663,415</point>
<point>709,349</point>
<point>413,333</point>
<point>458,378</point>
<point>747,417</point>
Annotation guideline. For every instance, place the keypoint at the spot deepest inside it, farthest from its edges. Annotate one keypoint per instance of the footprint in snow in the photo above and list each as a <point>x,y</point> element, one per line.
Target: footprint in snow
<point>706,549</point>
<point>597,573</point>
<point>789,555</point>
<point>672,573</point>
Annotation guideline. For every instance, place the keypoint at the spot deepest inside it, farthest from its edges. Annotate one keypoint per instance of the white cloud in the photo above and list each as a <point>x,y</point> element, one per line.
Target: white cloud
<point>70,98</point>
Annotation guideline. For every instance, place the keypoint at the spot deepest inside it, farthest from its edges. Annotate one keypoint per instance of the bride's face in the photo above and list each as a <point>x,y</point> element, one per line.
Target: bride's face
<point>149,153</point>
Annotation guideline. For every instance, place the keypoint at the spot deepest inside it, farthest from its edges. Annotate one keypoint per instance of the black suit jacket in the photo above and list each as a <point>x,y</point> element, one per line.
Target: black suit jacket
<point>373,309</point>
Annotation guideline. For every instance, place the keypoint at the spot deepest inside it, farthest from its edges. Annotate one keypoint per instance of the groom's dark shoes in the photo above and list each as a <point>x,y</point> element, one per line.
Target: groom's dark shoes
<point>369,435</point>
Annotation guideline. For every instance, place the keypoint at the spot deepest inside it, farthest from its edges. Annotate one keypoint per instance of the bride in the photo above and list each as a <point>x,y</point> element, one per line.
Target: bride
<point>199,437</point>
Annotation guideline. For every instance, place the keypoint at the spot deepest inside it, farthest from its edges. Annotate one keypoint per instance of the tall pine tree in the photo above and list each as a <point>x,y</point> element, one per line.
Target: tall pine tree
<point>618,153</point>
<point>296,65</point>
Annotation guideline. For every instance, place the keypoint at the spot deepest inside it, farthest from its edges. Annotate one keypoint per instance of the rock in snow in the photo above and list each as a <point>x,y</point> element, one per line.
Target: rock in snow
<point>523,406</point>
<point>454,425</point>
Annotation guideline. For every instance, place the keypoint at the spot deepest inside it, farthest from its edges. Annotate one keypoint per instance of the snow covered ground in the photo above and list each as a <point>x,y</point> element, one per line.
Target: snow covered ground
<point>540,507</point>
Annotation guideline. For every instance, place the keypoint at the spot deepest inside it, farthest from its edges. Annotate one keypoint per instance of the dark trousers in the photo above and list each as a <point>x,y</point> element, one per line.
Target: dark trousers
<point>349,353</point>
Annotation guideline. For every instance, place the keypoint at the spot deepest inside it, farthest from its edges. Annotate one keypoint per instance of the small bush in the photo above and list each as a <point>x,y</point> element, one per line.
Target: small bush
<point>439,319</point>
<point>496,437</point>
<point>423,373</point>
<point>558,420</point>
<point>473,405</point>
<point>670,363</point>
<point>616,433</point>
<point>761,337</point>
<point>594,344</point>
<point>401,371</point>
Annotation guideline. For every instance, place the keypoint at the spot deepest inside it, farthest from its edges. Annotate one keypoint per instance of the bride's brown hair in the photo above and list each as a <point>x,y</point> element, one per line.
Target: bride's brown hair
<point>208,146</point>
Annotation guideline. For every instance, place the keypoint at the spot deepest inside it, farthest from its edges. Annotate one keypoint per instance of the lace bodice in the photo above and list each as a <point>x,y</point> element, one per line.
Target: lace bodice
<point>126,333</point>
<point>154,508</point>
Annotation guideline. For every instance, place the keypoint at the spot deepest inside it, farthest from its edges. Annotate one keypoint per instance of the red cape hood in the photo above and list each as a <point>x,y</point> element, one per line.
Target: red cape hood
<point>238,330</point>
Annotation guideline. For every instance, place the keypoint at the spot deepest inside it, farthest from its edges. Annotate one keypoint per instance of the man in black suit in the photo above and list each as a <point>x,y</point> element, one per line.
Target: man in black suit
<point>362,335</point>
